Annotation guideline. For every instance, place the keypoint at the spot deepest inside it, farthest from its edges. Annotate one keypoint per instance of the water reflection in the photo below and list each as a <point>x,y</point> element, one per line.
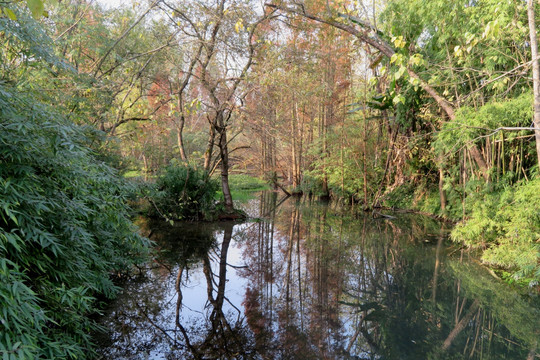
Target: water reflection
<point>224,335</point>
<point>313,281</point>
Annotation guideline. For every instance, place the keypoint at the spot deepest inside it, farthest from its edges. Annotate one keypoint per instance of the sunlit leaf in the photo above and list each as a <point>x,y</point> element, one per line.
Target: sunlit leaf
<point>36,7</point>
<point>239,26</point>
<point>10,14</point>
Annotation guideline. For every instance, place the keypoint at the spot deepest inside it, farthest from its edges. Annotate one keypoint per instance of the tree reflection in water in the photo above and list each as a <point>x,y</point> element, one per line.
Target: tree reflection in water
<point>313,281</point>
<point>224,338</point>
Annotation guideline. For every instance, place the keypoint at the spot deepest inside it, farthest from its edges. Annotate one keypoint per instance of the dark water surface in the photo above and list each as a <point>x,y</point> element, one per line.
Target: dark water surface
<point>312,281</point>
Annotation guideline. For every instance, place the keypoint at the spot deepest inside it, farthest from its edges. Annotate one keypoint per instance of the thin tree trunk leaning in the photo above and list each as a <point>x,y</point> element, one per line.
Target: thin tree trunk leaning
<point>461,325</point>
<point>372,38</point>
<point>536,74</point>
<point>277,184</point>
<point>480,161</point>
<point>442,192</point>
<point>181,110</point>
<point>442,102</point>
<point>180,139</point>
<point>209,149</point>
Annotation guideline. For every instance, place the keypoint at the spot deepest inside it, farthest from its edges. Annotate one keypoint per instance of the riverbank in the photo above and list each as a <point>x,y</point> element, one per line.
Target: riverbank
<point>500,222</point>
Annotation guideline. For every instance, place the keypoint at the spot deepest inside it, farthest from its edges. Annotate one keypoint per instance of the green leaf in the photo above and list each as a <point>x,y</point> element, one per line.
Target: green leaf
<point>416,59</point>
<point>399,42</point>
<point>10,14</point>
<point>398,99</point>
<point>36,7</point>
<point>399,73</point>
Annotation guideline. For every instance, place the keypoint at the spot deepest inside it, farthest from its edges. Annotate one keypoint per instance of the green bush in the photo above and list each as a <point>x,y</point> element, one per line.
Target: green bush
<point>64,229</point>
<point>183,192</point>
<point>470,125</point>
<point>506,224</point>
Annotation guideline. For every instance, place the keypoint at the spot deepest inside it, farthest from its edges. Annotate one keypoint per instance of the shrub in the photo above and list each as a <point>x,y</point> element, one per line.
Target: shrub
<point>64,228</point>
<point>183,192</point>
<point>470,125</point>
<point>507,224</point>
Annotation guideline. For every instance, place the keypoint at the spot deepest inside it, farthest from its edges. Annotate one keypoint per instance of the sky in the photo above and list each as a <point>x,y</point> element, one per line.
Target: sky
<point>108,4</point>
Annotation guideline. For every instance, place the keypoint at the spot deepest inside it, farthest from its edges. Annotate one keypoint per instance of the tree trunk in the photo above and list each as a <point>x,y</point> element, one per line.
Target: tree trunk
<point>145,161</point>
<point>364,148</point>
<point>224,155</point>
<point>181,123</point>
<point>461,325</point>
<point>479,160</point>
<point>301,148</point>
<point>324,124</point>
<point>294,154</point>
<point>180,138</point>
<point>209,149</point>
<point>367,35</point>
<point>536,74</point>
<point>442,192</point>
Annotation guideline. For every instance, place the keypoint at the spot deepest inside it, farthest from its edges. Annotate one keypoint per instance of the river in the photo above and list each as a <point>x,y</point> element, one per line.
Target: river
<point>310,280</point>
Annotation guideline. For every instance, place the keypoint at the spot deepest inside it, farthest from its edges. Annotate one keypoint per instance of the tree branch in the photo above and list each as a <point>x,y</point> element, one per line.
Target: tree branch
<point>376,41</point>
<point>100,63</point>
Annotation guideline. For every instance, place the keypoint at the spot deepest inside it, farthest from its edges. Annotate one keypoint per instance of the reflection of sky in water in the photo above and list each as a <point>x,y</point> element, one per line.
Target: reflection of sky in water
<point>195,309</point>
<point>194,289</point>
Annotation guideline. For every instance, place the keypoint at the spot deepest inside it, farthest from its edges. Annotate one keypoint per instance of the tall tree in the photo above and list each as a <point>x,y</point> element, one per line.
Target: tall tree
<point>536,74</point>
<point>226,33</point>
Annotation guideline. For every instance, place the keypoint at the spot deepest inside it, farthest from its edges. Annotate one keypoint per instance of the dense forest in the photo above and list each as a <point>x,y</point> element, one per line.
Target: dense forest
<point>403,104</point>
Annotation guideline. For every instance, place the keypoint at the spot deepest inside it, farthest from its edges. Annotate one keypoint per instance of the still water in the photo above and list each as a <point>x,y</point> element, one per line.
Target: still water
<point>315,281</point>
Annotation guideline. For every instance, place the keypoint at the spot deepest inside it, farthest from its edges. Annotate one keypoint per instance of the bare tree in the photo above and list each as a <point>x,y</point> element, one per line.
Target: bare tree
<point>226,34</point>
